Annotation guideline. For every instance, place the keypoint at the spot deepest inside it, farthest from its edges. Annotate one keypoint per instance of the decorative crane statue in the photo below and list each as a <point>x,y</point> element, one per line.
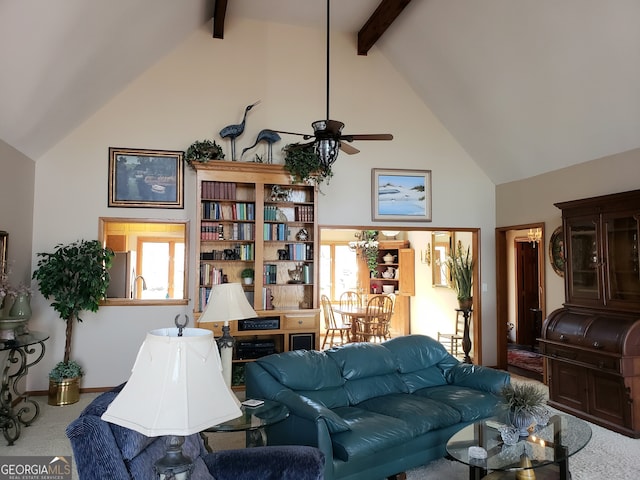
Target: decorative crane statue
<point>268,136</point>
<point>234,131</point>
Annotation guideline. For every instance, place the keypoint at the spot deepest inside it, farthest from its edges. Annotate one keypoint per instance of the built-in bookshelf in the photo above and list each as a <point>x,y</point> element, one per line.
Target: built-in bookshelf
<point>252,216</point>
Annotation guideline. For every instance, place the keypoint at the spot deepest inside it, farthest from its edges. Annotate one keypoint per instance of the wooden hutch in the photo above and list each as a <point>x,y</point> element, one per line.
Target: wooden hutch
<point>592,344</point>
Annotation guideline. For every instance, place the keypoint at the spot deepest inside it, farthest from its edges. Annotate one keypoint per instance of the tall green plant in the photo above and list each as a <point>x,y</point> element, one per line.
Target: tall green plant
<point>460,264</point>
<point>76,276</point>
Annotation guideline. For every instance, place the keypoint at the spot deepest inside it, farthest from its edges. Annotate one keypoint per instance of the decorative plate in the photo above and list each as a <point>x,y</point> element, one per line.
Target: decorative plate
<point>556,251</point>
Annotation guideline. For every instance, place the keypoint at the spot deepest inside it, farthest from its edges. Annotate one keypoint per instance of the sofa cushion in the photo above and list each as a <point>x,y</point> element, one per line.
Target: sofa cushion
<point>365,388</point>
<point>478,377</point>
<point>421,361</point>
<point>369,433</point>
<point>470,403</point>
<point>421,414</point>
<point>417,352</point>
<point>362,360</point>
<point>303,369</point>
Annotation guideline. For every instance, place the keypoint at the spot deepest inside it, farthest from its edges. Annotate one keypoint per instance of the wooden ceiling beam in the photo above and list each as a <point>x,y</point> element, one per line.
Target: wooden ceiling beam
<point>219,12</point>
<point>380,20</point>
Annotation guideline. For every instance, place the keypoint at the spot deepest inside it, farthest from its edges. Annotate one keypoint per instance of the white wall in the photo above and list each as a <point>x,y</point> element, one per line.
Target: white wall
<point>16,210</point>
<point>204,85</point>
<point>531,201</point>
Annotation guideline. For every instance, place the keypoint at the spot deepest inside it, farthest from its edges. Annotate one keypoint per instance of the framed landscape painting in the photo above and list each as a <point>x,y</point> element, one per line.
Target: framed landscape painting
<point>400,195</point>
<point>146,178</point>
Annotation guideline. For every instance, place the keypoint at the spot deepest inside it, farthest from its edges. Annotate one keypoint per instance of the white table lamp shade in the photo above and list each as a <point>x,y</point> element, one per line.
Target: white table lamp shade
<point>227,301</point>
<point>176,386</point>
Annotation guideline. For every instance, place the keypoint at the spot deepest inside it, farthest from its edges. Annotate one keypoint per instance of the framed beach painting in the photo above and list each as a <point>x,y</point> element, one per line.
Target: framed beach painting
<point>146,178</point>
<point>400,195</point>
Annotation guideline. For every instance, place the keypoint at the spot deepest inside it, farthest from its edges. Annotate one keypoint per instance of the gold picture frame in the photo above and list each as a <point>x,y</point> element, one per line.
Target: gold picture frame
<point>146,178</point>
<point>399,195</point>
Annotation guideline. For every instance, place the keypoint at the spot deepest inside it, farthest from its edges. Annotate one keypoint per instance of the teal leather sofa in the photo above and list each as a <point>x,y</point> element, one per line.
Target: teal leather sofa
<point>374,410</point>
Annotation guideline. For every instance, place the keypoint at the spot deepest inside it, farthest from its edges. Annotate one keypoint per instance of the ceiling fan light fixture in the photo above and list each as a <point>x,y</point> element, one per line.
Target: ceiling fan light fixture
<point>327,150</point>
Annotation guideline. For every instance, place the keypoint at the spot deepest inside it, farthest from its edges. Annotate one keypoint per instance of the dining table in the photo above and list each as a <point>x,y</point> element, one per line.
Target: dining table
<point>354,312</point>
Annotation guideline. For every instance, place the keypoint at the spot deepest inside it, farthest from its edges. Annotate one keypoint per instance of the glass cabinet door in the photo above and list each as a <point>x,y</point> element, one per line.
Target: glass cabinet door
<point>584,284</point>
<point>623,269</point>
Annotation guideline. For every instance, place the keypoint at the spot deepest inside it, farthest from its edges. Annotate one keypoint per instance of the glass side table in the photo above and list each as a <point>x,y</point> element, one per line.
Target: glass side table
<point>546,450</point>
<point>253,421</point>
<point>16,407</point>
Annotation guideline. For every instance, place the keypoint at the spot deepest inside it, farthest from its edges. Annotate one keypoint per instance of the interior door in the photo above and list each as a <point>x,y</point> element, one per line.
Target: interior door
<point>527,292</point>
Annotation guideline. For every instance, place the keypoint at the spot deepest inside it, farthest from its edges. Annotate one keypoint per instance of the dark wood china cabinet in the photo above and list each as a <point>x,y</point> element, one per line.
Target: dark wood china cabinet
<point>592,344</point>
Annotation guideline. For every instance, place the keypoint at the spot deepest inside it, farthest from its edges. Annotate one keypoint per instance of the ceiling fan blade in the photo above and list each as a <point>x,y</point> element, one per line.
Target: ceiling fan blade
<point>348,149</point>
<point>306,136</point>
<point>367,136</point>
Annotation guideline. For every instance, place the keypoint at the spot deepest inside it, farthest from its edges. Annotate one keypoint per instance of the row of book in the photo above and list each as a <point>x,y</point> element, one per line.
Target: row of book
<point>301,213</point>
<point>304,213</point>
<point>299,251</point>
<point>203,297</point>
<point>235,231</point>
<point>267,298</point>
<point>269,274</point>
<point>224,211</point>
<point>218,190</point>
<point>210,275</point>
<point>270,213</point>
<point>275,232</point>
<point>237,252</point>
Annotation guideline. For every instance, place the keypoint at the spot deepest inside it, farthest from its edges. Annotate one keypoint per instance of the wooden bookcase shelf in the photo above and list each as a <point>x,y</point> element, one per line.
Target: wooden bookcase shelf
<point>252,216</point>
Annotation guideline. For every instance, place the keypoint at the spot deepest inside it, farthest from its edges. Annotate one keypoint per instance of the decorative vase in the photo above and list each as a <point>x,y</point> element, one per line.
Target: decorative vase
<point>21,307</point>
<point>522,421</point>
<point>465,303</point>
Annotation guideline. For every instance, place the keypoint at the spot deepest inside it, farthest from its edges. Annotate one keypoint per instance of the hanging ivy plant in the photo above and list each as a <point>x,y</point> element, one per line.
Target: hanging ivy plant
<point>304,165</point>
<point>203,151</point>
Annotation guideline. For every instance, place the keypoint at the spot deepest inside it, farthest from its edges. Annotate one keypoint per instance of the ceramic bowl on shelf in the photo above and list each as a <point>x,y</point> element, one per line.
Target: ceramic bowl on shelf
<point>388,288</point>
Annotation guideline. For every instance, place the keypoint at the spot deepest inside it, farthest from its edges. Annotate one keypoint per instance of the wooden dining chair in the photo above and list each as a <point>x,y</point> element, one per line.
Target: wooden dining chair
<point>374,326</point>
<point>349,299</point>
<point>453,341</point>
<point>331,326</point>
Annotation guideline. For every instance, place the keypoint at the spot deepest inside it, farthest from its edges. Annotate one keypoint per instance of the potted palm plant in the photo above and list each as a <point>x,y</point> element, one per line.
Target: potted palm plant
<point>76,277</point>
<point>460,265</point>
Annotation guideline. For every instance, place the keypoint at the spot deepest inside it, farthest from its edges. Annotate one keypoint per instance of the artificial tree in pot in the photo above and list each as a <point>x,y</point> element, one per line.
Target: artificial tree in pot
<point>76,277</point>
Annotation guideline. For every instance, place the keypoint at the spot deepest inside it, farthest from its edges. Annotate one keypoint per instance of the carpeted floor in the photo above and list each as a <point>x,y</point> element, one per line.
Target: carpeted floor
<point>608,455</point>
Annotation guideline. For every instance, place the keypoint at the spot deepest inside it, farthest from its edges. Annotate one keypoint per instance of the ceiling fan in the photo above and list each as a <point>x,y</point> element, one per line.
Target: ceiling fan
<point>327,134</point>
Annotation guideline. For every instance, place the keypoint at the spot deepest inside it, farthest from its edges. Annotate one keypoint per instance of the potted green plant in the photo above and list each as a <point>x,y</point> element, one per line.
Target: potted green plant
<point>247,276</point>
<point>460,265</point>
<point>523,402</point>
<point>76,277</point>
<point>203,151</point>
<point>303,163</point>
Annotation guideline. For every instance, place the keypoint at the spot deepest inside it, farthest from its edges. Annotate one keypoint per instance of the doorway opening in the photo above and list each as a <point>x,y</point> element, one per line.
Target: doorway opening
<point>520,299</point>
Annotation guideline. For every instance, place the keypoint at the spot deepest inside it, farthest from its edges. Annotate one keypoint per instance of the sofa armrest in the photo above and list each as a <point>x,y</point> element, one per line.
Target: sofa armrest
<point>309,409</point>
<point>478,377</point>
<point>267,463</point>
<point>94,449</point>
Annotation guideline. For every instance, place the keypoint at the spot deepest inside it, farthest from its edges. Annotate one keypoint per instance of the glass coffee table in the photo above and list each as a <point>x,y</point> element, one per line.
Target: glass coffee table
<point>253,421</point>
<point>544,454</point>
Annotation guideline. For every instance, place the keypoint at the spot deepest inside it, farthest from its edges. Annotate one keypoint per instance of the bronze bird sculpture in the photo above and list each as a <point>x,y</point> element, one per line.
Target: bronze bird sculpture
<point>234,131</point>
<point>268,136</point>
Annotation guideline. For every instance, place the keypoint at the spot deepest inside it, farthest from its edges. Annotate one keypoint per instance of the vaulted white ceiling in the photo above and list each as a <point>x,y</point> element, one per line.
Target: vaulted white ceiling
<point>525,86</point>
